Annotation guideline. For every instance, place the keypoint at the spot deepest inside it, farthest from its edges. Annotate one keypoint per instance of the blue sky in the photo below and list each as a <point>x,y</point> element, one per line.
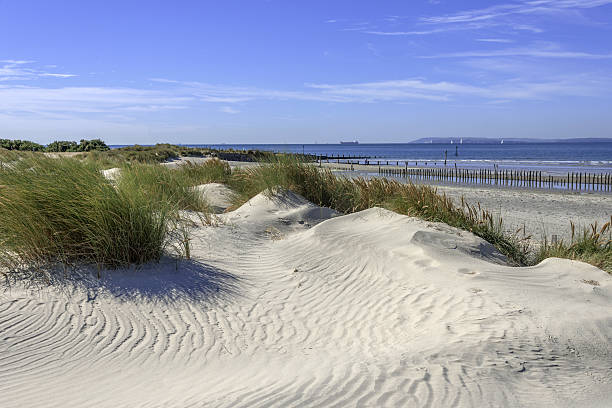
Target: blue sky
<point>301,72</point>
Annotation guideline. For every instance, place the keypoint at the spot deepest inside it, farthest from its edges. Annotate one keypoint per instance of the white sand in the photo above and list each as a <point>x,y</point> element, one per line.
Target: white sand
<point>288,304</point>
<point>217,195</point>
<point>542,213</point>
<point>184,160</point>
<point>112,174</point>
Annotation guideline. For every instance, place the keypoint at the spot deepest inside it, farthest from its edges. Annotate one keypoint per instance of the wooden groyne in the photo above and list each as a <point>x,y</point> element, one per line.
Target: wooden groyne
<point>511,178</point>
<point>572,181</point>
<point>339,157</point>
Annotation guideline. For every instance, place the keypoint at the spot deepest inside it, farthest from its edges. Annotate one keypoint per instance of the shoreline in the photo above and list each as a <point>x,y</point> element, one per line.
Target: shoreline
<point>373,166</point>
<point>542,212</point>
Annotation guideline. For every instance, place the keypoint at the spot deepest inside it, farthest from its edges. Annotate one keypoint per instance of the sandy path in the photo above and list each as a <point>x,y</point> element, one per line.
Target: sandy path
<point>287,304</point>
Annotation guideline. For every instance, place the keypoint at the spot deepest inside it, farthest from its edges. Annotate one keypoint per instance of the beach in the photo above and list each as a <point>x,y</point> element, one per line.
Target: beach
<point>538,213</point>
<point>542,213</point>
<point>284,303</point>
<point>274,204</point>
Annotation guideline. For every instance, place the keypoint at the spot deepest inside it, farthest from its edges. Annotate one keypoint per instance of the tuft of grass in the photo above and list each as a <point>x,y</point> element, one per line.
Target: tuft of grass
<point>142,154</point>
<point>63,211</point>
<point>162,185</point>
<point>211,171</point>
<point>348,195</point>
<point>593,245</point>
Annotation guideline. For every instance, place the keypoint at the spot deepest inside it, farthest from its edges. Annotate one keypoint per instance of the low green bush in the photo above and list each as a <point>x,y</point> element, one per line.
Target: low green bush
<point>82,146</point>
<point>21,145</point>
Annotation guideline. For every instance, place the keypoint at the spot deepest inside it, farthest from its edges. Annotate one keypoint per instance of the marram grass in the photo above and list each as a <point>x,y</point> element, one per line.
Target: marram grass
<point>593,245</point>
<point>349,195</point>
<point>162,185</point>
<point>63,211</point>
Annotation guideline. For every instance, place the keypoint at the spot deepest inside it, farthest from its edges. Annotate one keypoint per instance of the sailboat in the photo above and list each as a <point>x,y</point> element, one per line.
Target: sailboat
<point>502,141</point>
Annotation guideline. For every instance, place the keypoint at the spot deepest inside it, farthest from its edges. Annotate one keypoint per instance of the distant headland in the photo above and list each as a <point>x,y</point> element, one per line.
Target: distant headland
<point>487,140</point>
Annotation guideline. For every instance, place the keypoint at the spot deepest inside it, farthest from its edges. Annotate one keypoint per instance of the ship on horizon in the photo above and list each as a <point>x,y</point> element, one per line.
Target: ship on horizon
<point>354,142</point>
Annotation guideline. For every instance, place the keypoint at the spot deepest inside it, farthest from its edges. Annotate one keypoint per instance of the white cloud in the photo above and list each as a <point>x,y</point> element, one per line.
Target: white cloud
<point>539,50</point>
<point>505,15</point>
<point>229,109</point>
<point>19,70</point>
<point>495,40</point>
<point>48,74</point>
<point>86,99</point>
<point>126,103</point>
<point>402,90</point>
<point>519,8</point>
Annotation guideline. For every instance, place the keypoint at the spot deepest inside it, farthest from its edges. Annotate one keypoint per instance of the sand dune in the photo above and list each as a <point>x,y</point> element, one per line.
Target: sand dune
<point>289,304</point>
<point>217,195</point>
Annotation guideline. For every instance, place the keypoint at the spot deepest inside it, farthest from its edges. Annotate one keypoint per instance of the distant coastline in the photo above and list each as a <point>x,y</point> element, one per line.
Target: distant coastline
<point>503,140</point>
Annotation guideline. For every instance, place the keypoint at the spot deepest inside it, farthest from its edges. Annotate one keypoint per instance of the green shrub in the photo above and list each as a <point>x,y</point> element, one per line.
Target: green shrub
<point>91,145</point>
<point>62,146</point>
<point>83,146</point>
<point>21,145</point>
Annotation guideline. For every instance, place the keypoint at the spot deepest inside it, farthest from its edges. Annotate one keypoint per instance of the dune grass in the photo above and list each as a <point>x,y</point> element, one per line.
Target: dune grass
<point>213,170</point>
<point>162,185</point>
<point>143,154</point>
<point>592,245</point>
<point>65,212</point>
<point>59,210</point>
<point>163,152</point>
<point>349,195</point>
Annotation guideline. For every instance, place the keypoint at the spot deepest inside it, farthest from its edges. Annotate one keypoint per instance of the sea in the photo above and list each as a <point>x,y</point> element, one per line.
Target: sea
<point>591,157</point>
<point>553,158</point>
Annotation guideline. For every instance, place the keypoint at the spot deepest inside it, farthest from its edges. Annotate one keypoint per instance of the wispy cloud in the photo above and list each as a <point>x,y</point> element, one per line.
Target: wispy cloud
<point>518,8</point>
<point>539,50</point>
<point>402,90</point>
<point>87,100</point>
<point>425,31</point>
<point>229,109</point>
<point>495,40</point>
<point>42,99</point>
<point>21,70</point>
<point>188,95</point>
<point>510,15</point>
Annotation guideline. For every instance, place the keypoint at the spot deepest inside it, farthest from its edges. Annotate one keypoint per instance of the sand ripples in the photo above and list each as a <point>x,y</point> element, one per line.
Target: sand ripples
<point>353,312</point>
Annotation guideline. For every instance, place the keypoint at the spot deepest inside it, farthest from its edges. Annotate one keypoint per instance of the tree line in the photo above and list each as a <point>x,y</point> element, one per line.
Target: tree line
<point>57,146</point>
